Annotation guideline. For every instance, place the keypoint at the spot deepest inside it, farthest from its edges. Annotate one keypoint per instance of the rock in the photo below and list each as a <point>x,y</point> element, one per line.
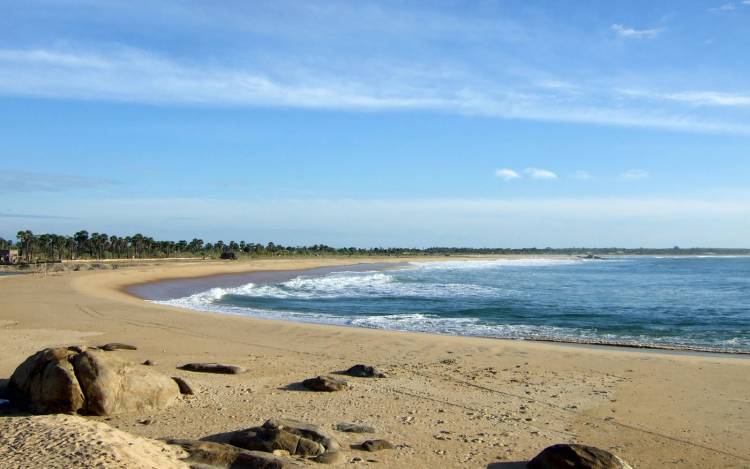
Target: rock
<point>61,380</point>
<point>364,371</point>
<point>111,347</point>
<point>47,384</point>
<point>213,368</point>
<point>220,455</point>
<point>149,363</point>
<point>112,386</point>
<point>324,384</point>
<point>577,456</point>
<point>296,438</point>
<point>354,428</point>
<point>184,385</point>
<point>376,445</point>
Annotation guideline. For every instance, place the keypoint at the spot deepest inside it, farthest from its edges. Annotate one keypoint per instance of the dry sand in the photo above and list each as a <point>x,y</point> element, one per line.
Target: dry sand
<point>448,401</point>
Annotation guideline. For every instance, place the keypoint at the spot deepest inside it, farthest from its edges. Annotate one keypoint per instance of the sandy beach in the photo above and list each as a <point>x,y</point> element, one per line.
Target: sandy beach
<point>447,401</point>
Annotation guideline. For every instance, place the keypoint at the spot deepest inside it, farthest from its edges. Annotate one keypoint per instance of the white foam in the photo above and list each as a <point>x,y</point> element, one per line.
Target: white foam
<point>495,263</point>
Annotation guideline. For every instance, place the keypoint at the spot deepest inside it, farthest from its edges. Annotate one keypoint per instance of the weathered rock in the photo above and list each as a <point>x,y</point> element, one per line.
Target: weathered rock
<point>219,455</point>
<point>576,456</point>
<point>61,380</point>
<point>364,371</point>
<point>324,384</point>
<point>296,438</point>
<point>111,385</point>
<point>213,368</point>
<point>46,383</point>
<point>354,428</point>
<point>149,363</point>
<point>184,385</point>
<point>111,347</point>
<point>376,445</point>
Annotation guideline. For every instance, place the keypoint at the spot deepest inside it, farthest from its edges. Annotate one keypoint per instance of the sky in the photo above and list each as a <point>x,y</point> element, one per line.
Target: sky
<point>513,123</point>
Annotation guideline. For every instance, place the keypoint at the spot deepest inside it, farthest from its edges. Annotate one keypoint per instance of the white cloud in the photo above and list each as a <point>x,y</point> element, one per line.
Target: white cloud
<point>711,98</point>
<point>582,175</point>
<point>132,75</point>
<point>723,8</point>
<point>634,175</point>
<point>544,174</point>
<point>507,174</point>
<point>632,33</point>
<point>693,98</point>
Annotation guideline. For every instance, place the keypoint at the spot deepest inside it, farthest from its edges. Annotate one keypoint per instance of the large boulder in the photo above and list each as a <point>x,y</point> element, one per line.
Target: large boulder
<point>296,438</point>
<point>220,455</point>
<point>47,384</point>
<point>566,456</point>
<point>113,386</point>
<point>70,380</point>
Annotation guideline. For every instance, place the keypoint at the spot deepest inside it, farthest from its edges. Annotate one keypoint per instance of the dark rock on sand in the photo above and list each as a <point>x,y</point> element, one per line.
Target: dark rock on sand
<point>111,347</point>
<point>364,371</point>
<point>219,455</point>
<point>324,384</point>
<point>213,368</point>
<point>376,445</point>
<point>62,380</point>
<point>149,363</point>
<point>354,428</point>
<point>184,385</point>
<point>576,456</point>
<point>297,438</point>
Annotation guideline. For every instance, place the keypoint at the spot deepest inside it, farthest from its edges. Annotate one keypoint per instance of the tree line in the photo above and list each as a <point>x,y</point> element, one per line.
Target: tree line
<point>82,245</point>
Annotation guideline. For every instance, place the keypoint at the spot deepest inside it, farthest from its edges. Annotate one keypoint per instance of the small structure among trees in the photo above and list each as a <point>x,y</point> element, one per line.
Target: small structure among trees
<point>8,256</point>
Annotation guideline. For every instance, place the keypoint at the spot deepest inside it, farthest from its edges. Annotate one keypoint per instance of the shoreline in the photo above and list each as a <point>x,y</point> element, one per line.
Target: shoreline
<point>448,401</point>
<point>381,265</point>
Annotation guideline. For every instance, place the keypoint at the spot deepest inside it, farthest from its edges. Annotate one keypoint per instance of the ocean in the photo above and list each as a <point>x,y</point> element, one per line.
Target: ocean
<point>692,303</point>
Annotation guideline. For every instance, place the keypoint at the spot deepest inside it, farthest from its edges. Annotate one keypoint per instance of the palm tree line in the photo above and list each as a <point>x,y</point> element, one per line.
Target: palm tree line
<point>82,245</point>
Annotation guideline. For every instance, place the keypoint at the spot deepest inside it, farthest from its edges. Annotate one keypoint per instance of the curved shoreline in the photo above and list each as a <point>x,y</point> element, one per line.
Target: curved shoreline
<point>515,396</point>
<point>291,273</point>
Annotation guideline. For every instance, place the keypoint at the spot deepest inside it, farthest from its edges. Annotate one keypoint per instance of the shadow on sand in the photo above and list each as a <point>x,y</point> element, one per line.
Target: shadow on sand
<point>508,465</point>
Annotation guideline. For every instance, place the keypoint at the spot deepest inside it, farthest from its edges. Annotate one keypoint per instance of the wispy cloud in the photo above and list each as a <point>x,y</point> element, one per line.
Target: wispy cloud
<point>30,216</point>
<point>542,174</point>
<point>631,33</point>
<point>724,8</point>
<point>692,98</point>
<point>634,175</point>
<point>26,181</point>
<point>583,175</point>
<point>507,174</point>
<point>133,75</point>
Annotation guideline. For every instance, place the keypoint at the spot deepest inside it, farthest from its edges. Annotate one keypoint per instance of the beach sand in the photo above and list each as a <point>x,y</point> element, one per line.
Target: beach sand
<point>447,401</point>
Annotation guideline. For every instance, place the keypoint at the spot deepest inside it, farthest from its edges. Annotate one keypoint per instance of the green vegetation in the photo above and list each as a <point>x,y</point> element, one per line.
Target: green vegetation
<point>82,245</point>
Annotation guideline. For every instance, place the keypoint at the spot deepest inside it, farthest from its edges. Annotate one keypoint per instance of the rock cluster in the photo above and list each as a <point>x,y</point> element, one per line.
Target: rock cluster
<point>220,455</point>
<point>70,380</point>
<point>296,438</point>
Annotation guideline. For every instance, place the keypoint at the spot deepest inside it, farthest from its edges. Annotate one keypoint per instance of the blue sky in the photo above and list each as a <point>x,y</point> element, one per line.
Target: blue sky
<point>488,123</point>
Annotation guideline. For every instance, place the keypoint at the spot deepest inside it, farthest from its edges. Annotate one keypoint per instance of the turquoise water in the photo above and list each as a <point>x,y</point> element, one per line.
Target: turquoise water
<point>700,303</point>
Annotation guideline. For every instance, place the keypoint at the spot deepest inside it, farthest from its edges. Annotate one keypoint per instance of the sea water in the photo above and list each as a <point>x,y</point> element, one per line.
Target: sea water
<point>700,303</point>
